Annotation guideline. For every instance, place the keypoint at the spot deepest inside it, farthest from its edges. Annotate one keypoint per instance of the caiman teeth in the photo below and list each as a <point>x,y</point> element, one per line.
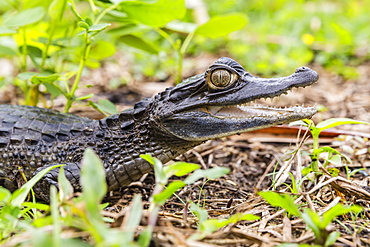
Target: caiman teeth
<point>249,111</point>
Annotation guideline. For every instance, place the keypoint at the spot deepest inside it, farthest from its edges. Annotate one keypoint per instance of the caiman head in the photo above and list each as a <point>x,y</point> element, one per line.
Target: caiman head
<point>218,103</point>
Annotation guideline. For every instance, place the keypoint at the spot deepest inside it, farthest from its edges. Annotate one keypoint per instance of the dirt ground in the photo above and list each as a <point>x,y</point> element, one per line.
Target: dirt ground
<point>255,160</point>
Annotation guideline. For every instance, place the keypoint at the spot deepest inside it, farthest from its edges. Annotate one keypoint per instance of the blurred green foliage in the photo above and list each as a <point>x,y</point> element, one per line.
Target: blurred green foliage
<point>52,42</point>
<point>286,34</point>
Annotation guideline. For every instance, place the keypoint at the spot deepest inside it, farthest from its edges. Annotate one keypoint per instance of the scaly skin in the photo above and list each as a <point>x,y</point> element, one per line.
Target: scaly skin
<point>207,106</point>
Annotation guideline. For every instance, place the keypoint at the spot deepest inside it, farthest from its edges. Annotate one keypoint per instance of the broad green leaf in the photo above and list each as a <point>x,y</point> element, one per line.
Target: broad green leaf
<point>65,187</point>
<point>155,14</point>
<point>92,178</point>
<point>129,29</point>
<point>336,160</point>
<point>280,200</point>
<point>133,220</point>
<point>51,88</point>
<point>102,49</point>
<point>4,195</point>
<point>32,51</point>
<point>201,213</point>
<point>139,43</point>
<point>87,96</point>
<point>162,197</point>
<point>337,210</point>
<point>99,27</point>
<point>41,78</point>
<point>331,150</point>
<point>180,168</point>
<point>106,106</point>
<point>222,25</point>
<point>6,31</point>
<point>212,173</point>
<point>25,17</point>
<point>312,221</point>
<point>160,176</point>
<point>19,196</point>
<point>38,206</point>
<point>212,225</point>
<point>26,75</point>
<point>56,7</point>
<point>83,24</point>
<point>183,27</point>
<point>240,216</point>
<point>333,122</point>
<point>6,51</point>
<point>332,238</point>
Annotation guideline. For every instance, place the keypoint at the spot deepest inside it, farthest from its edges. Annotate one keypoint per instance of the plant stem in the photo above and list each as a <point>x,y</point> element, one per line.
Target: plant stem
<point>85,53</point>
<point>52,32</point>
<point>181,54</point>
<point>104,12</point>
<point>24,50</point>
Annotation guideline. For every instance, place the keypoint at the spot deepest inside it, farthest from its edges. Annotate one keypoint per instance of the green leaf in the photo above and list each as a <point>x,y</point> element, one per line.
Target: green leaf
<point>133,219</point>
<point>26,75</point>
<point>180,168</point>
<point>235,218</point>
<point>280,200</point>
<point>83,24</point>
<point>102,49</point>
<point>333,122</point>
<point>4,195</point>
<point>99,27</point>
<point>332,238</point>
<point>87,96</point>
<point>139,43</point>
<point>162,197</point>
<point>312,221</point>
<point>212,173</point>
<point>160,176</point>
<point>155,14</point>
<point>38,206</point>
<point>19,196</point>
<point>222,25</point>
<point>56,7</point>
<point>6,31</point>
<point>44,78</point>
<point>25,17</point>
<point>6,51</point>
<point>92,178</point>
<point>65,187</point>
<point>182,27</point>
<point>201,213</point>
<point>337,210</point>
<point>51,88</point>
<point>32,51</point>
<point>129,29</point>
<point>105,106</point>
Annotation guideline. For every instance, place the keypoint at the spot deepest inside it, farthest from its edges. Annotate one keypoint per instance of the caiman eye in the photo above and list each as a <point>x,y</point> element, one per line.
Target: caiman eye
<point>220,78</point>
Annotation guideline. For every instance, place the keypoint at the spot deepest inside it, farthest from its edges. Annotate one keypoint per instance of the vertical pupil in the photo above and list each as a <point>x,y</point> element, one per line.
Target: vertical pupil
<point>220,78</point>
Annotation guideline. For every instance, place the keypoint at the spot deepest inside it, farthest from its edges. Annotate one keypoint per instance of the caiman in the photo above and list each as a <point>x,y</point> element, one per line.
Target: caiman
<point>214,104</point>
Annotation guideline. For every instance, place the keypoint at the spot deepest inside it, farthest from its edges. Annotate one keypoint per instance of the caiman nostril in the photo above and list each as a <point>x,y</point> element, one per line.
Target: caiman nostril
<point>301,69</point>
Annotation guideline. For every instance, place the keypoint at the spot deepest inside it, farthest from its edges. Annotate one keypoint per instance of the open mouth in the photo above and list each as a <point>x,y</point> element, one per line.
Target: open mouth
<point>252,111</point>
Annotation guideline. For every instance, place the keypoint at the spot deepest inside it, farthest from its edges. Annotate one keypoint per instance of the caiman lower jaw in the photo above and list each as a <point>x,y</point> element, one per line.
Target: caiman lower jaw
<point>253,111</point>
<point>211,122</point>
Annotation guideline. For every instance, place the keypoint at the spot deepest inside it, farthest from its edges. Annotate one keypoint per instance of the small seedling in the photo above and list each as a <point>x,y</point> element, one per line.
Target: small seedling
<point>315,130</point>
<point>316,223</point>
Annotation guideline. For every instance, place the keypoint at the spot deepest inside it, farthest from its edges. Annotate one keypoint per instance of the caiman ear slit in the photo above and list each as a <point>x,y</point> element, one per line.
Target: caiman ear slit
<point>220,78</point>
